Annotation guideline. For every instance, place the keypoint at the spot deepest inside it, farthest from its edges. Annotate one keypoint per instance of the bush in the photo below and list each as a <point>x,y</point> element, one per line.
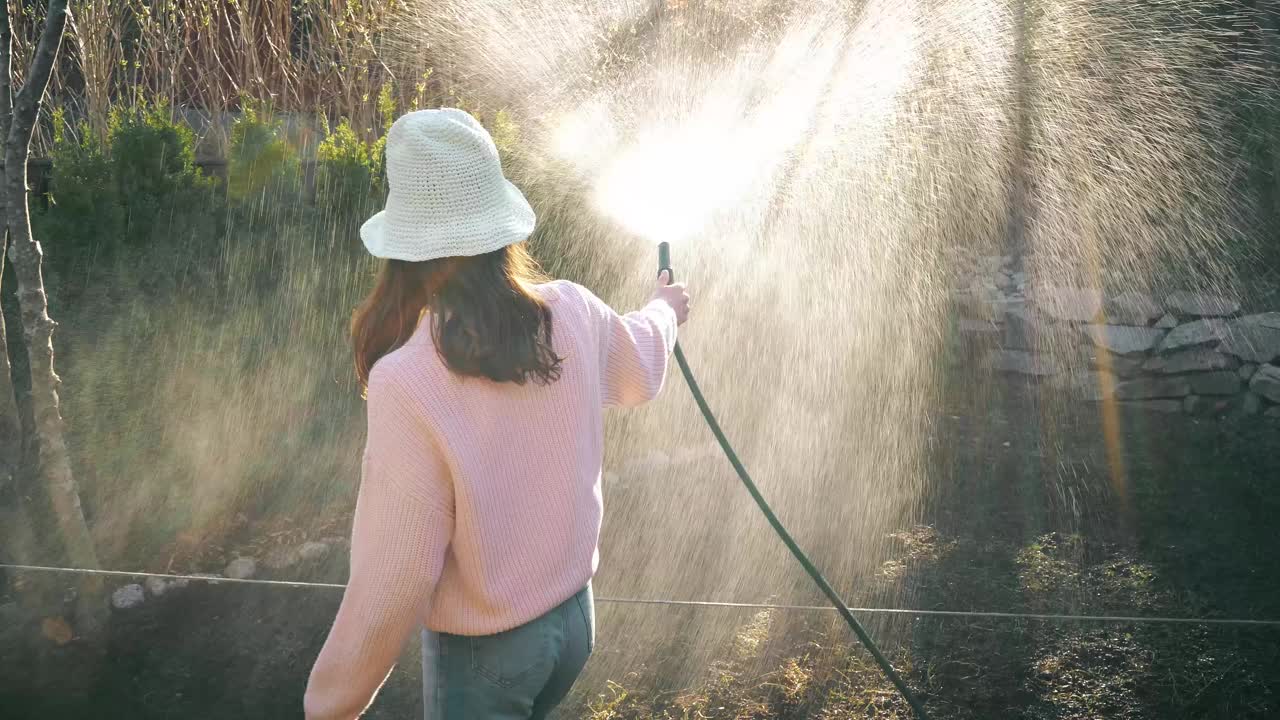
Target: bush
<point>129,192</point>
<point>153,165</point>
<point>84,214</point>
<point>349,171</point>
<point>260,163</point>
<point>505,131</point>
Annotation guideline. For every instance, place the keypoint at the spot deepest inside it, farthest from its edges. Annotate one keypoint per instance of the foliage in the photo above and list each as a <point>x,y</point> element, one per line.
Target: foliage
<point>814,679</point>
<point>127,192</point>
<point>153,167</point>
<point>349,171</point>
<point>506,134</point>
<point>84,210</point>
<point>260,161</point>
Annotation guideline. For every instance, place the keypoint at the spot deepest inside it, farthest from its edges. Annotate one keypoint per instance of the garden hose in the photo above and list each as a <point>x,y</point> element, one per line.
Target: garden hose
<point>664,264</point>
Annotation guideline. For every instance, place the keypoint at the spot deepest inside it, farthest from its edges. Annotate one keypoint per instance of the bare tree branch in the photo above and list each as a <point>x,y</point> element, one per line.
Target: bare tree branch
<point>6,71</point>
<point>26,107</point>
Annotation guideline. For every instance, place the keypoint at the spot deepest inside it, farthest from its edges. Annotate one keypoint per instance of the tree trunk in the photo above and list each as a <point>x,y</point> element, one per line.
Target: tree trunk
<point>10,422</point>
<point>26,255</point>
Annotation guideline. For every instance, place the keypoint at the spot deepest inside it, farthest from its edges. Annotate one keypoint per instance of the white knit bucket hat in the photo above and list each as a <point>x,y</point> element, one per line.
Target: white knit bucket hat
<point>448,197</point>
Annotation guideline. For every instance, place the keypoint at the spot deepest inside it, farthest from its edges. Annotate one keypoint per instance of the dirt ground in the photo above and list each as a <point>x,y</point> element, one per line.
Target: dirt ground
<point>1187,529</point>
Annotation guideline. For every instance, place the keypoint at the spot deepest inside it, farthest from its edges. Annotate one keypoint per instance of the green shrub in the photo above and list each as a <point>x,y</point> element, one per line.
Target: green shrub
<point>349,171</point>
<point>84,215</point>
<point>501,126</point>
<point>153,164</point>
<point>505,131</point>
<point>261,165</point>
<point>140,187</point>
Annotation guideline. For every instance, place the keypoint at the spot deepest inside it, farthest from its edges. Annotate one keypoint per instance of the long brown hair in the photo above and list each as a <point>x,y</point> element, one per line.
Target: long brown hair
<point>486,319</point>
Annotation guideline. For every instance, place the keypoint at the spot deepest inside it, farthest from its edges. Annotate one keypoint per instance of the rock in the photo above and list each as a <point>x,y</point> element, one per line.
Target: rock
<point>1214,383</point>
<point>1149,388</point>
<point>1132,308</point>
<point>1251,339</point>
<point>1251,405</point>
<point>1002,306</point>
<point>159,586</point>
<point>1246,371</point>
<point>1199,305</point>
<point>314,551</point>
<point>282,557</point>
<point>1073,304</point>
<point>1022,363</point>
<point>1194,405</point>
<point>1168,322</point>
<point>128,597</point>
<point>1093,386</point>
<point>1019,329</point>
<point>1266,382</point>
<point>156,586</point>
<point>991,263</point>
<point>1267,319</point>
<point>1118,365</point>
<point>1196,360</point>
<point>1200,332</point>
<point>1124,339</point>
<point>241,568</point>
<point>1160,406</point>
<point>974,305</point>
<point>978,327</point>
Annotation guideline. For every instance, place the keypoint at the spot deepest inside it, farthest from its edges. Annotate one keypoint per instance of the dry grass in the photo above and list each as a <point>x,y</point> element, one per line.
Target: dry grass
<point>213,56</point>
<point>976,669</point>
<point>810,680</point>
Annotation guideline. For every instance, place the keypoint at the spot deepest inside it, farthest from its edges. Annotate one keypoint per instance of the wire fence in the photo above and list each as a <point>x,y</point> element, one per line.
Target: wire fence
<point>1052,617</point>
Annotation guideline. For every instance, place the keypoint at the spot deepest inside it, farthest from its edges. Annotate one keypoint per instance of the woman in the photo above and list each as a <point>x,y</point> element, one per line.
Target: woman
<point>479,509</point>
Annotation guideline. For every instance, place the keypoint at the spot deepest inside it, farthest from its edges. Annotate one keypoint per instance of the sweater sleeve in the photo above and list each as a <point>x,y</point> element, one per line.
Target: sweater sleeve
<point>402,527</point>
<point>638,347</point>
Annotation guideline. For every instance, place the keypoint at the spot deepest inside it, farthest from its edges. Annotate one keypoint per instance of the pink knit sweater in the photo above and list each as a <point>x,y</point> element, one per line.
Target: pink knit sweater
<point>480,506</point>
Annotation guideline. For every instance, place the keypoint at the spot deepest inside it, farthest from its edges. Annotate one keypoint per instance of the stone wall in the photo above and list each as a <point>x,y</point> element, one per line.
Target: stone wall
<point>1180,352</point>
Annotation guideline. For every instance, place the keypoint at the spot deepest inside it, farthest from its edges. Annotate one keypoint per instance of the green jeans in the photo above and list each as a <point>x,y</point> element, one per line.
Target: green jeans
<point>520,674</point>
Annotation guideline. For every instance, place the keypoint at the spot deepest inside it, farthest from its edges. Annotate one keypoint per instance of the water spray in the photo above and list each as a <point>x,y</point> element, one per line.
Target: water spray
<point>664,264</point>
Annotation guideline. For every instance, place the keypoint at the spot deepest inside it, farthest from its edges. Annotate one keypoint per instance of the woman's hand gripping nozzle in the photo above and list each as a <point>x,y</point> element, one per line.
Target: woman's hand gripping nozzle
<point>674,294</point>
